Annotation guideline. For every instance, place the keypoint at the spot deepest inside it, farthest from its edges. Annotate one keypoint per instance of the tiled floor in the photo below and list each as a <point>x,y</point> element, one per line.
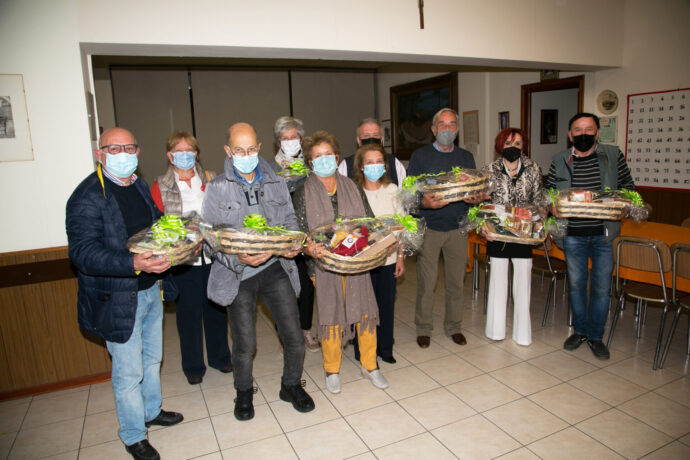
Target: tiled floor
<point>483,400</point>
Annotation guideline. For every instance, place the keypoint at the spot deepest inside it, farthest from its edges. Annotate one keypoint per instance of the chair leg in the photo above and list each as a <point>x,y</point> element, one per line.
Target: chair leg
<point>641,316</point>
<point>671,331</point>
<point>542,281</point>
<point>486,287</point>
<point>548,301</point>
<point>660,338</point>
<point>565,285</point>
<point>614,320</point>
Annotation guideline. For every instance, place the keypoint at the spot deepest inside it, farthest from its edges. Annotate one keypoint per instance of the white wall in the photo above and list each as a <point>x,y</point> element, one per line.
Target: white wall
<point>40,40</point>
<point>43,37</point>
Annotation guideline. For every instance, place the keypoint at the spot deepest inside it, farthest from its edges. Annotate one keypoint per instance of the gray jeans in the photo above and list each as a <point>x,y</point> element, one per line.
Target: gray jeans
<point>454,248</point>
<point>273,285</point>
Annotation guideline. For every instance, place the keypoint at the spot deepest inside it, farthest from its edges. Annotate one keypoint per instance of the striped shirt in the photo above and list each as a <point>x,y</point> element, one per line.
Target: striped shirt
<point>586,177</point>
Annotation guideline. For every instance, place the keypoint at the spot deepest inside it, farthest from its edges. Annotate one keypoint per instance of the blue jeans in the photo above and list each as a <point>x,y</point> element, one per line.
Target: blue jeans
<point>273,285</point>
<point>136,368</point>
<point>589,320</point>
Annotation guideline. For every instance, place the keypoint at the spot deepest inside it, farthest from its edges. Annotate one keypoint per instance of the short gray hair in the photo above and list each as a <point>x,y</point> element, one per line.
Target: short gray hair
<point>366,121</point>
<point>286,123</point>
<point>443,110</point>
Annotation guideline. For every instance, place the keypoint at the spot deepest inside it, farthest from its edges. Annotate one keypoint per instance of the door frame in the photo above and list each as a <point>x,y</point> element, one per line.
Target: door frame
<point>542,86</point>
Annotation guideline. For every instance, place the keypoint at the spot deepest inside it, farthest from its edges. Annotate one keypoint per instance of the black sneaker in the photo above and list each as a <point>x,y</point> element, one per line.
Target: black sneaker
<point>244,407</point>
<point>574,341</point>
<point>296,395</point>
<point>599,349</point>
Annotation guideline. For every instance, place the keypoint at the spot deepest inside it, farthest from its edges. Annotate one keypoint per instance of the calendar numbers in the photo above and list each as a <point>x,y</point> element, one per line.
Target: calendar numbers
<point>657,141</point>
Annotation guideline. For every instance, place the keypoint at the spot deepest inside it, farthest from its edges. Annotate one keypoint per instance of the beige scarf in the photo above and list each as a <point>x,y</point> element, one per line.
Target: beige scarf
<point>359,303</point>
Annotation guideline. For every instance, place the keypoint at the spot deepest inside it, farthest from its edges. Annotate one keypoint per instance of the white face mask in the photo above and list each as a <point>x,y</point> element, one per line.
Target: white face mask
<point>291,148</point>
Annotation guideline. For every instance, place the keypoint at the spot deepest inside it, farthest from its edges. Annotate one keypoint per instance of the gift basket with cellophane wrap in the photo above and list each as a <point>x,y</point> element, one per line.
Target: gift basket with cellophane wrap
<point>455,185</point>
<point>358,245</point>
<point>254,237</point>
<point>170,236</point>
<point>511,224</point>
<point>294,174</point>
<point>594,204</point>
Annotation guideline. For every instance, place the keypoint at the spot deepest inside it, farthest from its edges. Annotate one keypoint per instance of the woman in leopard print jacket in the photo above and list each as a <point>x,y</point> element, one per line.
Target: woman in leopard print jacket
<point>517,182</point>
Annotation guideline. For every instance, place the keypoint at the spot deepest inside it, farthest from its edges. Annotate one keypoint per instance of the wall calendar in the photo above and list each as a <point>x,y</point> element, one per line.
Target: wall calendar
<point>658,139</point>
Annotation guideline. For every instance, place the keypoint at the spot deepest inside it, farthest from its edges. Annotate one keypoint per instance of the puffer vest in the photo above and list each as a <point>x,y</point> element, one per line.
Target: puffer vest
<point>170,192</point>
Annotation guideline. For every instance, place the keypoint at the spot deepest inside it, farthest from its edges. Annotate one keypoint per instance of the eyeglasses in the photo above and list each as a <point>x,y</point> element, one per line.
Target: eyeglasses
<point>243,153</point>
<point>118,148</point>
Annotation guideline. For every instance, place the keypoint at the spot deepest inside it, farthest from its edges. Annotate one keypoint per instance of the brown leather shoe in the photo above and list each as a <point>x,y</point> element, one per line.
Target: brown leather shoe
<point>423,341</point>
<point>459,339</point>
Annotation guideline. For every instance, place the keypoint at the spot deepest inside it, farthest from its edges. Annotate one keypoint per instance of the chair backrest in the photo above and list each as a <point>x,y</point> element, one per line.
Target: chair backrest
<point>641,253</point>
<point>681,263</point>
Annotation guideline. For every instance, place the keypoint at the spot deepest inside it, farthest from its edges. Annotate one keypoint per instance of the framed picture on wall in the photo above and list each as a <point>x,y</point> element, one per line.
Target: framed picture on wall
<point>15,136</point>
<point>549,126</point>
<point>503,120</point>
<point>386,132</point>
<point>413,106</point>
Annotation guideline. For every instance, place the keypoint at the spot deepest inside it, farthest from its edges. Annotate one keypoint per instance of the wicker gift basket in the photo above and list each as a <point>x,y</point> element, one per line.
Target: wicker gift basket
<point>256,237</point>
<point>456,185</point>
<point>171,237</point>
<point>521,225</point>
<point>353,245</point>
<point>603,205</point>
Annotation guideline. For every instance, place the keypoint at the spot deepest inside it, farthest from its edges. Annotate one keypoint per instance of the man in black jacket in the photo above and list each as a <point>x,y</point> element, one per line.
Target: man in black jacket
<point>119,295</point>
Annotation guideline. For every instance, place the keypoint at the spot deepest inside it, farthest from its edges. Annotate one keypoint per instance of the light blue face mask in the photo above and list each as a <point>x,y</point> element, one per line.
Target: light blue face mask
<point>184,160</point>
<point>374,172</point>
<point>121,164</point>
<point>324,166</point>
<point>245,164</point>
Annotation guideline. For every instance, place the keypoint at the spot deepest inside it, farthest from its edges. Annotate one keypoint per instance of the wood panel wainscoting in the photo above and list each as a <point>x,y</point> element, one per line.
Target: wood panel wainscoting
<point>42,347</point>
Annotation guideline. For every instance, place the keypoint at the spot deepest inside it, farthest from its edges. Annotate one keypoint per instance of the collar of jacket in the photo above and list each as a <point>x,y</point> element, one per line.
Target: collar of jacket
<point>269,176</point>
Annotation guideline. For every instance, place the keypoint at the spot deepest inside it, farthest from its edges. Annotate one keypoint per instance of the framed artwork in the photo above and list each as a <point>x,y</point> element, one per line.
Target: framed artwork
<point>386,132</point>
<point>503,120</point>
<point>15,137</point>
<point>549,126</point>
<point>413,106</point>
<point>607,132</point>
<point>548,75</point>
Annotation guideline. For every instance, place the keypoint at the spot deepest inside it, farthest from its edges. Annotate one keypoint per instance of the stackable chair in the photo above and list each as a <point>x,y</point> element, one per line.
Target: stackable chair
<point>553,268</point>
<point>681,301</point>
<point>644,254</point>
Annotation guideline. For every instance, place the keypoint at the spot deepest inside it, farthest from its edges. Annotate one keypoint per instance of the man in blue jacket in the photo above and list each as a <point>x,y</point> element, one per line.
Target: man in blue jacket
<point>119,295</point>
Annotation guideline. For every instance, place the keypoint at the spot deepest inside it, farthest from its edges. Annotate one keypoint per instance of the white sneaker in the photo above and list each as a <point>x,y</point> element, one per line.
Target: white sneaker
<point>333,383</point>
<point>376,377</point>
<point>310,342</point>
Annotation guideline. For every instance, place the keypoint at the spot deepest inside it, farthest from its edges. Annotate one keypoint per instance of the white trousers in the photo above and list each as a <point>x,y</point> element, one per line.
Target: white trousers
<point>498,299</point>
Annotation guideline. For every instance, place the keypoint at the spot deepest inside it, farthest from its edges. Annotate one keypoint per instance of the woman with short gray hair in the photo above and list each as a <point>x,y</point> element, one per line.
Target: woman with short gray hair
<point>288,133</point>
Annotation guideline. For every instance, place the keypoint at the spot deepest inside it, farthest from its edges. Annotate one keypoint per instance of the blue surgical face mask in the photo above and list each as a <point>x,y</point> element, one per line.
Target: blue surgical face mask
<point>324,166</point>
<point>374,172</point>
<point>121,164</point>
<point>245,164</point>
<point>184,160</point>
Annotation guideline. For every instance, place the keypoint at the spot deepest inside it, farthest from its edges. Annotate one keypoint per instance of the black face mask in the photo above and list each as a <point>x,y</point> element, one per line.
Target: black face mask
<point>583,142</point>
<point>511,153</point>
<point>370,140</point>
